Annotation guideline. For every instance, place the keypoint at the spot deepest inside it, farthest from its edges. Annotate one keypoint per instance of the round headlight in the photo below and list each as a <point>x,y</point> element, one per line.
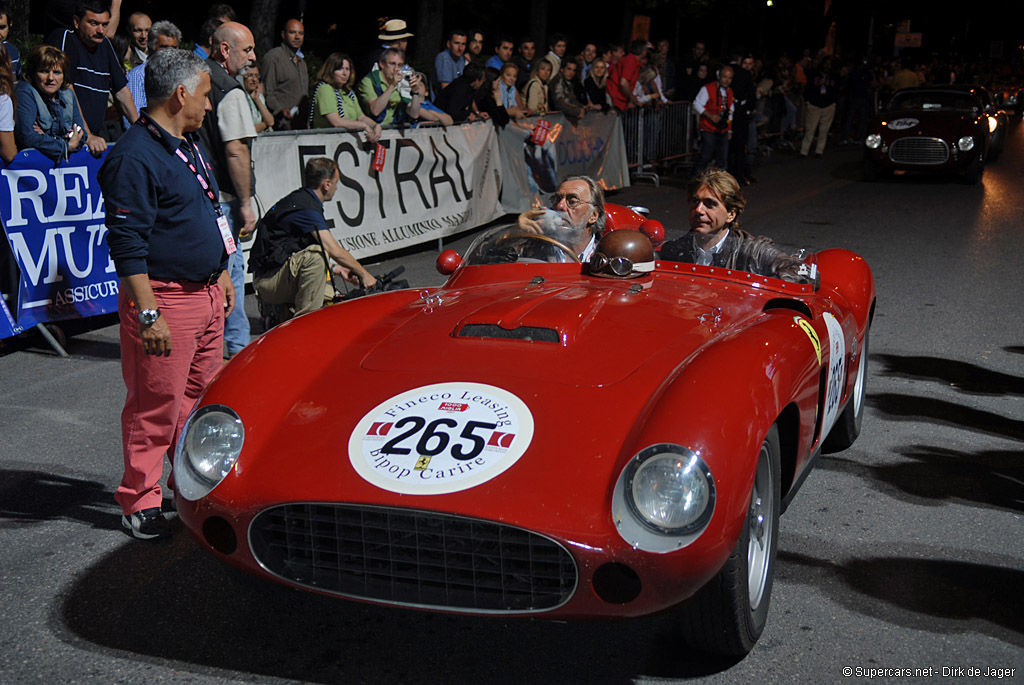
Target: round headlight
<point>664,498</point>
<point>207,450</point>
<point>873,141</point>
<point>669,493</point>
<point>965,144</point>
<point>993,124</point>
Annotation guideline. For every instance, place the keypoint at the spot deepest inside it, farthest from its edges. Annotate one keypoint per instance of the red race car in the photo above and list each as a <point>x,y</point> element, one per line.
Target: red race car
<point>534,439</point>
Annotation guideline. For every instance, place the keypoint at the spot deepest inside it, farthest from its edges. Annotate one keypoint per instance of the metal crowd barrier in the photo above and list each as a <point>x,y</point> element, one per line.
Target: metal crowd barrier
<point>657,136</point>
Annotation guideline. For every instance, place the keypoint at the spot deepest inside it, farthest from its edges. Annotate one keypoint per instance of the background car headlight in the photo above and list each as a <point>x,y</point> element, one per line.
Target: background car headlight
<point>207,450</point>
<point>965,144</point>
<point>873,141</point>
<point>664,498</point>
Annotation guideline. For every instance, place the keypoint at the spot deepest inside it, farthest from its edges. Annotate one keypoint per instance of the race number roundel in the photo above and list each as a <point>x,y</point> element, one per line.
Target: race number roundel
<point>903,124</point>
<point>441,438</point>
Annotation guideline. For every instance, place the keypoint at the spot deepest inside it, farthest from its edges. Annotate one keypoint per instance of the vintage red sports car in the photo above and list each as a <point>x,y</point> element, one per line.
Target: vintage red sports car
<point>532,439</point>
<point>947,129</point>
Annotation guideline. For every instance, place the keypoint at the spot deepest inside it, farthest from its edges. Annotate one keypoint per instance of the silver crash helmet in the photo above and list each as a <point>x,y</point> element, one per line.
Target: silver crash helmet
<point>623,254</point>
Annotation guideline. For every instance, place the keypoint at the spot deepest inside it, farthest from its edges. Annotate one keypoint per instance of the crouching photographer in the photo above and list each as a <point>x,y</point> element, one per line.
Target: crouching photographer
<point>290,258</point>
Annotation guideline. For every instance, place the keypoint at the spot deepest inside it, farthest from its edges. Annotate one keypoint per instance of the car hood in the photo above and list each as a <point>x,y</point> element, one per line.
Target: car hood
<point>907,121</point>
<point>337,374</point>
<point>595,332</point>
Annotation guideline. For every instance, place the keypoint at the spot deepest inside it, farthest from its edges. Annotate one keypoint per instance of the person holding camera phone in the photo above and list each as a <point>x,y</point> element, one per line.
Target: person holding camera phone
<point>381,95</point>
<point>714,107</point>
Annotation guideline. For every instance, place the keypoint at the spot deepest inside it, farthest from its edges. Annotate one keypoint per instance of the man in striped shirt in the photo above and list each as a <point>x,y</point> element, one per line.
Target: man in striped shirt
<point>95,69</point>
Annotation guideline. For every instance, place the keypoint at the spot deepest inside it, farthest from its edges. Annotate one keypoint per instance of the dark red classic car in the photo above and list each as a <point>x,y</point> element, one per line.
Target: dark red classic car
<point>945,129</point>
<point>532,439</point>
<point>1008,96</point>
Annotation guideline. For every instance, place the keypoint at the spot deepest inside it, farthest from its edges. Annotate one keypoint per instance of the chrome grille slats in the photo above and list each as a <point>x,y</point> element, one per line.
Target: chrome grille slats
<point>414,558</point>
<point>919,150</point>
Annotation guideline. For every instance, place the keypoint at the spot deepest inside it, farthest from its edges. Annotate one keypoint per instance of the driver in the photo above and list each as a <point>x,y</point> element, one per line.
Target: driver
<point>716,240</point>
<point>575,216</point>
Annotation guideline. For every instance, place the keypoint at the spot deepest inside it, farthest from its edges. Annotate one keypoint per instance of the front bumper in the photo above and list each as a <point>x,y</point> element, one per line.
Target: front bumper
<point>452,563</point>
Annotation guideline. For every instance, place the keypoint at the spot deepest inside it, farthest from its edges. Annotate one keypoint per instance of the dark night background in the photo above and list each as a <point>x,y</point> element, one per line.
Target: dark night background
<point>789,26</point>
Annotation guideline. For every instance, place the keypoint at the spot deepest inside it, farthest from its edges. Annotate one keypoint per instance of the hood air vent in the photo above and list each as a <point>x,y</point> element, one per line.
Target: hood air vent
<point>490,330</point>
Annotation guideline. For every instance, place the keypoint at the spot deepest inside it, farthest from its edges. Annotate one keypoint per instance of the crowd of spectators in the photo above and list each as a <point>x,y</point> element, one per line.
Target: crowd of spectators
<point>802,102</point>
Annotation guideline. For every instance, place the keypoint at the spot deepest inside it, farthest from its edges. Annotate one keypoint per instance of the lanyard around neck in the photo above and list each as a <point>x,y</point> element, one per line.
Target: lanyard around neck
<point>200,173</point>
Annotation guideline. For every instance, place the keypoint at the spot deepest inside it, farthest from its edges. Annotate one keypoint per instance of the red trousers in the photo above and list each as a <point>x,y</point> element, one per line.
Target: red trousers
<point>163,390</point>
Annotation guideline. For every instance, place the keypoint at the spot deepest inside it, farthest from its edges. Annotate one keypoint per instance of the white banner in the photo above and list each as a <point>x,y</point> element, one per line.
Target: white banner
<point>435,182</point>
<point>531,169</point>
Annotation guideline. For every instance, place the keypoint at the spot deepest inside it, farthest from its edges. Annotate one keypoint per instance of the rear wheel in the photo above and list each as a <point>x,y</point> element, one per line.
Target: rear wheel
<point>728,615</point>
<point>846,429</point>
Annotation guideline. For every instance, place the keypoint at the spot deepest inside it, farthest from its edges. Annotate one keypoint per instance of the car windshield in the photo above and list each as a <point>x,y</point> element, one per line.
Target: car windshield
<point>933,100</point>
<point>508,244</point>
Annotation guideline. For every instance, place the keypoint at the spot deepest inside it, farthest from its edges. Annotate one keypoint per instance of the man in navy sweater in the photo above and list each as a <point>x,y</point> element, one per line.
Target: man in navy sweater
<point>170,244</point>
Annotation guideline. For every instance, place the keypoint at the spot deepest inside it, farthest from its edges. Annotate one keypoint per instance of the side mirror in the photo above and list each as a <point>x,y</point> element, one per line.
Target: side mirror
<point>447,262</point>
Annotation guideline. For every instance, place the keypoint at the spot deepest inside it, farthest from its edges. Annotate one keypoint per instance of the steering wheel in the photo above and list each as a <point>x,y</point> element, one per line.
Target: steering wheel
<point>515,235</point>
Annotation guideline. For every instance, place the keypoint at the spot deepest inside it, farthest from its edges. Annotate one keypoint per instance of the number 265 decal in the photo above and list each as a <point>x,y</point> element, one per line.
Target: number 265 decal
<point>435,438</point>
<point>441,438</point>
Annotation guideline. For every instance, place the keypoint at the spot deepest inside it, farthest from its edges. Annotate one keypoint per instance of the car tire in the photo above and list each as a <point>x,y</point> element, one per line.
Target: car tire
<point>972,174</point>
<point>846,429</point>
<point>872,172</point>
<point>728,614</point>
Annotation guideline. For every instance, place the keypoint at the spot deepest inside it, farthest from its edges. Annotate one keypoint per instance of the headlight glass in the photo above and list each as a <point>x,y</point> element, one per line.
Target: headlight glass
<point>207,450</point>
<point>873,141</point>
<point>993,124</point>
<point>670,493</point>
<point>965,144</point>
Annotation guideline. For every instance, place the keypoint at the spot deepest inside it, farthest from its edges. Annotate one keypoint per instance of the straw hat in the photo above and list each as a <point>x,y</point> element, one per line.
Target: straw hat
<point>394,29</point>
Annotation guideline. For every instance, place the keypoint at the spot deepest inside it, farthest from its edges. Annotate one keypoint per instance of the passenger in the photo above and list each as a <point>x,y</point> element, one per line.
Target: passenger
<point>715,239</point>
<point>575,216</point>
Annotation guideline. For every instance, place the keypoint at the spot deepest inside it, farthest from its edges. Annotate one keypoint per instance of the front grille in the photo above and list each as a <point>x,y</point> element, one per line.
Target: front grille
<point>414,558</point>
<point>919,151</point>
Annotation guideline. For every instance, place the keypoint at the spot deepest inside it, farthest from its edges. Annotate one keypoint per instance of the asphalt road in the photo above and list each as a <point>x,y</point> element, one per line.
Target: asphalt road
<point>905,551</point>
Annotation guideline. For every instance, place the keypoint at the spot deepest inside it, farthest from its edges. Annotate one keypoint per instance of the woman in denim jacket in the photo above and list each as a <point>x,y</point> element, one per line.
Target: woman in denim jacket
<point>48,115</point>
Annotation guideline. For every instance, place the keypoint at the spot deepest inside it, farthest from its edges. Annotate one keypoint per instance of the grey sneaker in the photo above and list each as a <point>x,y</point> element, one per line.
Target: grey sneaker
<point>146,524</point>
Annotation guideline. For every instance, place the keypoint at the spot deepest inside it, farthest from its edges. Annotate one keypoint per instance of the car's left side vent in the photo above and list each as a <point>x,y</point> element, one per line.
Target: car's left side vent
<point>490,330</point>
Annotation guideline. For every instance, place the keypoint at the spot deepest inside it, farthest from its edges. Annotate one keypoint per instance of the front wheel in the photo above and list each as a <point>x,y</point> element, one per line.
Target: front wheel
<point>972,174</point>
<point>872,171</point>
<point>728,615</point>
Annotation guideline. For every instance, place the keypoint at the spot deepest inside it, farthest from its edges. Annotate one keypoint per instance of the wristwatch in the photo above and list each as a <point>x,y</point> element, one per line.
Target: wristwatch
<point>148,317</point>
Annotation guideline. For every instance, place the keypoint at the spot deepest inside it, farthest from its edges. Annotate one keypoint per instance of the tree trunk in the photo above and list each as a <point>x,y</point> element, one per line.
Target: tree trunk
<point>19,19</point>
<point>539,25</point>
<point>263,23</point>
<point>429,33</point>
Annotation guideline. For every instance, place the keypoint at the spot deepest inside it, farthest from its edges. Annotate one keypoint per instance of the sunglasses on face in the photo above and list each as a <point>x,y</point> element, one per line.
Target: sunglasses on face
<point>571,201</point>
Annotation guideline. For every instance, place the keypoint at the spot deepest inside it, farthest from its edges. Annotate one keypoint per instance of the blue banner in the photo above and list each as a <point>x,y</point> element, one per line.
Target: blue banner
<point>53,222</point>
